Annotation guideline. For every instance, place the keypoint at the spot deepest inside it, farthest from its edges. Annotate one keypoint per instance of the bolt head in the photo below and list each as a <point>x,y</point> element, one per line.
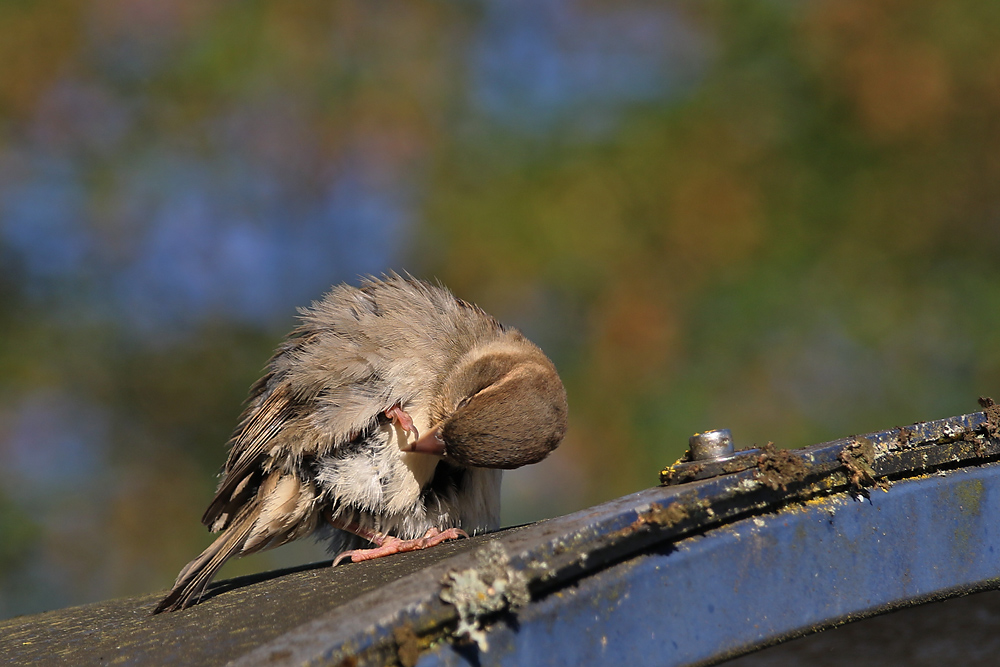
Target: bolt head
<point>711,445</point>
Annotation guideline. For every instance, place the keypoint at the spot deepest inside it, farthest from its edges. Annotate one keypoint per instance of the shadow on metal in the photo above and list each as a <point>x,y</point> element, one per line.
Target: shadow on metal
<point>727,557</point>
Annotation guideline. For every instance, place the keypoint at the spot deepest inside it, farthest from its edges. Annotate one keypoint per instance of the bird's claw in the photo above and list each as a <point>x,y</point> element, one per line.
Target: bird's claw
<point>400,418</point>
<point>393,545</point>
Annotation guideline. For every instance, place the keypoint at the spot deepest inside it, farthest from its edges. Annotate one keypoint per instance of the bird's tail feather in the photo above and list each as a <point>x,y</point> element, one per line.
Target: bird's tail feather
<point>196,575</point>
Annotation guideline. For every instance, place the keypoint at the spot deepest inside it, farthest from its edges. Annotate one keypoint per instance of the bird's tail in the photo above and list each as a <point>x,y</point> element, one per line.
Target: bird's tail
<point>196,575</point>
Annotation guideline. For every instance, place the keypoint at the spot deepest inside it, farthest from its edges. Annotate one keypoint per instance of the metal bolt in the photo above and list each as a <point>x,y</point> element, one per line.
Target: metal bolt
<point>711,445</point>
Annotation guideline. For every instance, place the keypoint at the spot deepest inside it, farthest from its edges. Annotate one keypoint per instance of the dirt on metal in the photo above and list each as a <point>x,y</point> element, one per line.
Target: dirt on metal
<point>904,436</point>
<point>992,410</point>
<point>777,468</point>
<point>664,517</point>
<point>407,645</point>
<point>669,475</point>
<point>858,458</point>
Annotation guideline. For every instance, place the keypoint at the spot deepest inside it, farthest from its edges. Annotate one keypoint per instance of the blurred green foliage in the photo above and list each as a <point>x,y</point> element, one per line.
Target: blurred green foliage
<point>799,241</point>
<point>803,247</point>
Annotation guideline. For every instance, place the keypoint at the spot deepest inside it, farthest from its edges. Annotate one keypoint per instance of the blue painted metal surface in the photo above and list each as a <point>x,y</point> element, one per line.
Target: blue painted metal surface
<point>731,554</point>
<point>766,578</point>
<point>727,557</point>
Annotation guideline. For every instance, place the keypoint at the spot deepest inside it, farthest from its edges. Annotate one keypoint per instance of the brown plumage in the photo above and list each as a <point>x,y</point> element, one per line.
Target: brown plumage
<point>385,417</point>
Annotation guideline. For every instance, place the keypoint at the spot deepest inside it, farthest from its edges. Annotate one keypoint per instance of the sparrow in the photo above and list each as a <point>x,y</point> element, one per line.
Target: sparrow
<point>384,419</point>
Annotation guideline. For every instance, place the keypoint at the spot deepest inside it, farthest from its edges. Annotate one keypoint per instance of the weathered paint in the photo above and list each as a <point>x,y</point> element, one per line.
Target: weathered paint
<point>766,578</point>
<point>769,546</point>
<point>787,543</point>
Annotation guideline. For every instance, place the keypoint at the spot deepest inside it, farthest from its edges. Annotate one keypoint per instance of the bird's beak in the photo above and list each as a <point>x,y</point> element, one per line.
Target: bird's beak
<point>430,442</point>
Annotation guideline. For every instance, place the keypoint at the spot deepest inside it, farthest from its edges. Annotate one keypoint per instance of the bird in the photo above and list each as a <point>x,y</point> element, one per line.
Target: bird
<point>384,420</point>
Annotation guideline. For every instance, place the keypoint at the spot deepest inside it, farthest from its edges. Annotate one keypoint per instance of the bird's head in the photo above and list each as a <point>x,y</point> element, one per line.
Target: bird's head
<point>503,407</point>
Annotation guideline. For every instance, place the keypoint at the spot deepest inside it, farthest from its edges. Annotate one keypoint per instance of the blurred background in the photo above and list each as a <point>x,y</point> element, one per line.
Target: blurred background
<point>780,218</point>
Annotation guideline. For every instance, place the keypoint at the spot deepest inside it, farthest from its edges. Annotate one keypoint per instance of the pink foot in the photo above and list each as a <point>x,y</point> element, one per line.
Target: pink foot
<point>401,419</point>
<point>388,545</point>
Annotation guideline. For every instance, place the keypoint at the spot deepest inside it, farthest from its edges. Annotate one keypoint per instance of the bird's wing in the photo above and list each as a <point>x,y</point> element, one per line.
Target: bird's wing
<point>319,394</point>
<point>254,438</point>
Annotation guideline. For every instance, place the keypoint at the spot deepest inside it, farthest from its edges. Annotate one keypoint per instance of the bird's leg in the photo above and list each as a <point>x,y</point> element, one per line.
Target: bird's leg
<point>401,419</point>
<point>386,545</point>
